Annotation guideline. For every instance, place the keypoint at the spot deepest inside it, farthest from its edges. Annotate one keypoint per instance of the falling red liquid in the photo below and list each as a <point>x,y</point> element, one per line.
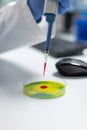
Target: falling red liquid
<point>43,87</point>
<point>44,68</point>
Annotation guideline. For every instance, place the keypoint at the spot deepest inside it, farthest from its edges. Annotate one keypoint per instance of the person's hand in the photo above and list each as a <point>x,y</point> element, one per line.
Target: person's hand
<point>63,6</point>
<point>37,7</point>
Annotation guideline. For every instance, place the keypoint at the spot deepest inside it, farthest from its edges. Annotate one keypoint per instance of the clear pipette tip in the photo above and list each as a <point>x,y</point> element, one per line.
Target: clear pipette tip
<point>45,62</point>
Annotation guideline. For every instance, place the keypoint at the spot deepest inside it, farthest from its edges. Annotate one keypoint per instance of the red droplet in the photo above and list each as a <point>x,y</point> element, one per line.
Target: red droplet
<point>43,87</point>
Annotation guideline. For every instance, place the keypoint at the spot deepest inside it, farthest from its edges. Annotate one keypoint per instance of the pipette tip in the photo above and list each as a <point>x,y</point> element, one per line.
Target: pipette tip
<point>45,64</point>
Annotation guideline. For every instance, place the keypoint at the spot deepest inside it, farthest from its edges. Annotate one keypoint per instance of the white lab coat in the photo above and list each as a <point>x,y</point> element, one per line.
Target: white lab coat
<point>18,27</point>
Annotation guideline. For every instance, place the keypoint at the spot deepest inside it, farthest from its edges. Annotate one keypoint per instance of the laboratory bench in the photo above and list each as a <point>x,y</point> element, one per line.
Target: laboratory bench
<point>20,112</point>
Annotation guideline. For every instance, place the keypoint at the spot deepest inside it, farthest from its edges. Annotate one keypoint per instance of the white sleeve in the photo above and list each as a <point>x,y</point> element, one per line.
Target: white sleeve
<point>18,27</point>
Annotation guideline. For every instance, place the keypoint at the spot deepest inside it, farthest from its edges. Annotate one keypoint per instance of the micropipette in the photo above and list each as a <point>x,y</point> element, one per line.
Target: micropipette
<point>50,11</point>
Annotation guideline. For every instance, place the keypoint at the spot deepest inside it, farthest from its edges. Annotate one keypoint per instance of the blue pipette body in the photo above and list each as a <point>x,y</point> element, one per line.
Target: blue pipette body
<point>50,18</point>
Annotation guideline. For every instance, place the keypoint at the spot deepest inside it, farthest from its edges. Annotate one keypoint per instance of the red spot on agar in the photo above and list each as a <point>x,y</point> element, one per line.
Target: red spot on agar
<point>43,87</point>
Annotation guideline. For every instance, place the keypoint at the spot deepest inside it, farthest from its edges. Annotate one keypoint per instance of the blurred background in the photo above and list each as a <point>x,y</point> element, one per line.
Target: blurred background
<point>4,2</point>
<point>77,10</point>
<point>71,28</point>
<point>75,17</point>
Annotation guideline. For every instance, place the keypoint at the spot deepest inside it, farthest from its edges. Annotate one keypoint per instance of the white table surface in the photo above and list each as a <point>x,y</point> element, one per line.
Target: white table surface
<point>19,112</point>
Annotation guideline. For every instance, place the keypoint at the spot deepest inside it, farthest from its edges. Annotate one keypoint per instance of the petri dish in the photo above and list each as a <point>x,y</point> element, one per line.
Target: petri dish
<point>44,88</point>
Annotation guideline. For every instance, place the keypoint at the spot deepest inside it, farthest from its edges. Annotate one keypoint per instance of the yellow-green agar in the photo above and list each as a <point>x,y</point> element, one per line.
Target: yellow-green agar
<point>44,89</point>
